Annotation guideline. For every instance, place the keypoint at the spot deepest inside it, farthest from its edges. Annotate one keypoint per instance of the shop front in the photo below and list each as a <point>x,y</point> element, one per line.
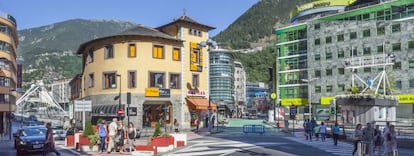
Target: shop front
<point>199,109</point>
<point>157,112</point>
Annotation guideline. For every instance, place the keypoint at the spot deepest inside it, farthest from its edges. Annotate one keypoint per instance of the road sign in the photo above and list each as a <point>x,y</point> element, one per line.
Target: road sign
<point>273,96</point>
<point>120,112</point>
<point>83,105</point>
<point>132,111</point>
<point>293,111</point>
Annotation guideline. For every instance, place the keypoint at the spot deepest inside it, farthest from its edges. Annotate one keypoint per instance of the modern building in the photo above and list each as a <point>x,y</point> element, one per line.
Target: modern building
<point>313,52</point>
<point>255,90</point>
<point>8,73</point>
<point>60,91</point>
<point>222,80</point>
<point>240,86</point>
<point>164,70</point>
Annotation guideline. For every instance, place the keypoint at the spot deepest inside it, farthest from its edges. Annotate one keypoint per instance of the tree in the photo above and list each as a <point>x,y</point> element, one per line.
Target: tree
<point>88,129</point>
<point>157,131</point>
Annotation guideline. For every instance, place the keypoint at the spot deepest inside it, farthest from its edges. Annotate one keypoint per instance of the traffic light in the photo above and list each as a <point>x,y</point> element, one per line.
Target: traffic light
<point>128,98</point>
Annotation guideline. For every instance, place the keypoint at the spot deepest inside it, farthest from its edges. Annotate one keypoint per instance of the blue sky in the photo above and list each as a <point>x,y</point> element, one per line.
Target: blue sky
<point>153,13</point>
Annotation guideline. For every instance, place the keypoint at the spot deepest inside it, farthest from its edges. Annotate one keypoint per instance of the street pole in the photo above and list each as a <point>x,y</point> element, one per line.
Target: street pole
<point>119,96</point>
<point>209,115</point>
<point>10,114</point>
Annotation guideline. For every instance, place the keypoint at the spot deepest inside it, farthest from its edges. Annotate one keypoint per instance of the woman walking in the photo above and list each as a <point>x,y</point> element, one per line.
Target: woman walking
<point>176,126</point>
<point>357,137</point>
<point>132,133</point>
<point>390,141</point>
<point>120,137</point>
<point>335,133</point>
<point>103,131</point>
<point>322,131</point>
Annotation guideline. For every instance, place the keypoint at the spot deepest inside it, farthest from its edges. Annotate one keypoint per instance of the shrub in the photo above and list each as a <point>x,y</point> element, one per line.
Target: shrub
<point>88,129</point>
<point>157,131</point>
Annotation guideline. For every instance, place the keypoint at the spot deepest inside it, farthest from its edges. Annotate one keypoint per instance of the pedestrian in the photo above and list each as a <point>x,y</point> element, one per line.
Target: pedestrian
<point>50,141</point>
<point>120,137</point>
<point>103,132</point>
<point>385,130</point>
<point>368,138</point>
<point>176,126</point>
<point>132,134</point>
<point>206,120</point>
<point>322,131</point>
<point>316,131</point>
<point>390,141</point>
<point>335,133</point>
<point>357,137</point>
<point>112,133</point>
<point>378,140</point>
<point>309,130</point>
<point>213,120</point>
<point>196,123</point>
<point>1,133</point>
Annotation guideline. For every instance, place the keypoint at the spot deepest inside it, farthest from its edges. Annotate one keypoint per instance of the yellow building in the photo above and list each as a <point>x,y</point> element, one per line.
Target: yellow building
<point>8,67</point>
<point>164,69</point>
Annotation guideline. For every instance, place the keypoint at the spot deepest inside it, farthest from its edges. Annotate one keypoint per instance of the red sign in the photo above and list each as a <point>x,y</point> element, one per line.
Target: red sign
<point>196,93</point>
<point>120,112</point>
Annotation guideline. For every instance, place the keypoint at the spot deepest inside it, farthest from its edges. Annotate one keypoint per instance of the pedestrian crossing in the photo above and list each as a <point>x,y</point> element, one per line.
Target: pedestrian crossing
<point>342,149</point>
<point>216,147</point>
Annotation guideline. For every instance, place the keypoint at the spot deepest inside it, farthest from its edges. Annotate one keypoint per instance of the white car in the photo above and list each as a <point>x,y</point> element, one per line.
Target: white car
<point>59,133</point>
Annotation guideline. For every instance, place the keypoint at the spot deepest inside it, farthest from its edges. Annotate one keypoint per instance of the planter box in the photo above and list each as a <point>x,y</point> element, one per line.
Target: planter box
<point>70,141</point>
<point>95,128</point>
<point>83,140</point>
<point>163,144</point>
<point>145,150</point>
<point>179,137</point>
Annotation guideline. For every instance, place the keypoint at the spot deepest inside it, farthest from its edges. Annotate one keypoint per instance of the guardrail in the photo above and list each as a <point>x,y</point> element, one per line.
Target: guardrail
<point>253,129</point>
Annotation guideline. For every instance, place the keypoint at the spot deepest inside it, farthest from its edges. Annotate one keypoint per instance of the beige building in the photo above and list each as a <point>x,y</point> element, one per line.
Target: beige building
<point>8,68</point>
<point>164,69</point>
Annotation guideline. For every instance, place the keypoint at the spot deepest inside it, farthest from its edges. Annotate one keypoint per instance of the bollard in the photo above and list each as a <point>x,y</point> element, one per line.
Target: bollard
<point>362,148</point>
<point>395,153</point>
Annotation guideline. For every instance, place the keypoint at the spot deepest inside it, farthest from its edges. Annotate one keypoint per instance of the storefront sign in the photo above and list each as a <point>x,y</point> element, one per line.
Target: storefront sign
<point>132,111</point>
<point>152,92</point>
<point>406,98</point>
<point>164,93</point>
<point>196,93</point>
<point>327,100</point>
<point>294,101</point>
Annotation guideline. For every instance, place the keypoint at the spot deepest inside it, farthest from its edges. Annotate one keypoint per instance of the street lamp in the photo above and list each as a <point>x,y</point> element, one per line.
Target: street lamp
<point>10,115</point>
<point>119,97</point>
<point>309,93</point>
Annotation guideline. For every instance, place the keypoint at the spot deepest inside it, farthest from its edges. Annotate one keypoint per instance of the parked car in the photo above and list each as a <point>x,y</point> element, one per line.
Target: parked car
<point>31,123</point>
<point>59,133</point>
<point>30,139</point>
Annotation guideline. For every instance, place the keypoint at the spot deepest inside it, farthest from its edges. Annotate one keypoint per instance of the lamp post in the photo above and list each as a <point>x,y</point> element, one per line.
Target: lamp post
<point>10,115</point>
<point>309,93</point>
<point>119,96</point>
<point>209,114</point>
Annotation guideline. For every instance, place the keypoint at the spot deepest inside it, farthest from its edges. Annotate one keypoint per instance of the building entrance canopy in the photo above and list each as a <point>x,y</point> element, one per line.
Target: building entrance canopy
<point>106,110</point>
<point>200,104</point>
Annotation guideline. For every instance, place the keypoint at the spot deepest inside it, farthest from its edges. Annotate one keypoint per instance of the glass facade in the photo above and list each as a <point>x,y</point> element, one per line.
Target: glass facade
<point>222,76</point>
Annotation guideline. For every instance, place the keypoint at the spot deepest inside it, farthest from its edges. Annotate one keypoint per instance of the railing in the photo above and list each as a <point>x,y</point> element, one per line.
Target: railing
<point>254,129</point>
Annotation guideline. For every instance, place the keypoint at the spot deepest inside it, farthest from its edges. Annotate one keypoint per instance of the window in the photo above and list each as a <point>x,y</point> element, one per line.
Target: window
<point>367,70</point>
<point>328,55</point>
<point>317,41</point>
<point>354,52</point>
<point>397,66</point>
<point>196,58</point>
<point>196,80</point>
<point>157,80</point>
<point>341,54</point>
<point>367,51</point>
<point>366,33</point>
<point>328,39</point>
<point>410,44</point>
<point>132,50</point>
<point>194,32</point>
<point>317,57</point>
<point>380,49</point>
<point>4,64</point>
<point>352,35</point>
<point>176,54</point>
<point>340,88</point>
<point>412,83</point>
<point>109,51</point>
<point>91,80</point>
<point>396,46</point>
<point>175,81</point>
<point>398,84</point>
<point>90,55</point>
<point>380,31</point>
<point>341,71</point>
<point>132,79</point>
<point>317,73</point>
<point>317,26</point>
<point>158,52</point>
<point>329,88</point>
<point>411,64</point>
<point>109,80</point>
<point>340,37</point>
<point>328,72</point>
<point>318,89</point>
<point>4,81</point>
<point>396,28</point>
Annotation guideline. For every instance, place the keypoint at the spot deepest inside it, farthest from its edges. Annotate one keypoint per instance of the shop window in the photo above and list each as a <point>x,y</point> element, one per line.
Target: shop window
<point>175,81</point>
<point>132,50</point>
<point>132,79</point>
<point>91,80</point>
<point>176,54</point>
<point>158,52</point>
<point>109,80</point>
<point>157,80</point>
<point>109,51</point>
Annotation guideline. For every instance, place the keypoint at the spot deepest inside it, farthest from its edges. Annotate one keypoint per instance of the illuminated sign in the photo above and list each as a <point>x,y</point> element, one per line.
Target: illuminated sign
<point>294,101</point>
<point>152,92</point>
<point>406,98</point>
<point>196,93</point>
<point>327,100</point>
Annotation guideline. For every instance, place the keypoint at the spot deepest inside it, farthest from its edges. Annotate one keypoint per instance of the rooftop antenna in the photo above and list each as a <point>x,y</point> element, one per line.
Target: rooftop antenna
<point>184,10</point>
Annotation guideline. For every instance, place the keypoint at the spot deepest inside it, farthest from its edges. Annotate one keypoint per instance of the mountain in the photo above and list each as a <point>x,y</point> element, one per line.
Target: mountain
<point>255,29</point>
<point>48,51</point>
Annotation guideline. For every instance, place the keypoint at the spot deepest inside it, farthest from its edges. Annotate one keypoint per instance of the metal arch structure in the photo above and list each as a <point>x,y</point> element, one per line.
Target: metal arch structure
<point>44,97</point>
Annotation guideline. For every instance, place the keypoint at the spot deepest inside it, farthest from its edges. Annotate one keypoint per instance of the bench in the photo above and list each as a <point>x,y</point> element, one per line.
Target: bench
<point>253,129</point>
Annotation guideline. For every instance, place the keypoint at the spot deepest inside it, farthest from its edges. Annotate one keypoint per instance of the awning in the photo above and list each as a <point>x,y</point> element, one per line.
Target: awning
<point>106,110</point>
<point>231,107</point>
<point>200,104</point>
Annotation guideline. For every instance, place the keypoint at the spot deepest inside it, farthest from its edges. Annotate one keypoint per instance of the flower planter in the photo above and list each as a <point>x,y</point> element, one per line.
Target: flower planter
<point>145,150</point>
<point>70,140</point>
<point>163,144</point>
<point>95,128</point>
<point>180,139</point>
<point>83,140</point>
